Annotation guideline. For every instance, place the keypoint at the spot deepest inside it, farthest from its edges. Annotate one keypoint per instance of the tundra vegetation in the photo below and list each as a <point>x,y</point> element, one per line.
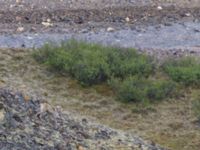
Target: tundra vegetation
<point>133,77</point>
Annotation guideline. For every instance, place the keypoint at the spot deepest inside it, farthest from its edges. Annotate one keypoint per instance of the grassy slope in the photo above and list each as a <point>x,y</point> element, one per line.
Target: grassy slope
<point>169,123</point>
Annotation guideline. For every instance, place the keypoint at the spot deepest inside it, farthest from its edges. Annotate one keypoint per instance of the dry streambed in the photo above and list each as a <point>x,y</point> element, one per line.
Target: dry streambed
<point>170,123</point>
<point>177,39</point>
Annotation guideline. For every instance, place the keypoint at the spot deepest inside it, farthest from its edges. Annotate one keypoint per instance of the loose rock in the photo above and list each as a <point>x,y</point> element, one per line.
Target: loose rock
<point>20,29</point>
<point>47,24</point>
<point>110,29</point>
<point>30,128</point>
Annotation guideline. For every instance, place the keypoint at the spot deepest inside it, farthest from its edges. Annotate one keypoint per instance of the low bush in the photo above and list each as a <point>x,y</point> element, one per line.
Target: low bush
<point>185,71</point>
<point>126,71</point>
<point>92,63</point>
<point>137,89</point>
<point>126,62</point>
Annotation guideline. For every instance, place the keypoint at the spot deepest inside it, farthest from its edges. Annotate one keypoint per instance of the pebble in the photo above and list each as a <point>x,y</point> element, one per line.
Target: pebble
<point>159,8</point>
<point>188,14</point>
<point>47,24</point>
<point>110,29</point>
<point>48,20</point>
<point>127,19</point>
<point>18,18</point>
<point>20,29</point>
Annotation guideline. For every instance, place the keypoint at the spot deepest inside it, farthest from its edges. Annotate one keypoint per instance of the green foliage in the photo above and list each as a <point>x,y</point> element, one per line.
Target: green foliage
<point>126,71</point>
<point>92,63</point>
<point>136,89</point>
<point>185,71</point>
<point>126,62</point>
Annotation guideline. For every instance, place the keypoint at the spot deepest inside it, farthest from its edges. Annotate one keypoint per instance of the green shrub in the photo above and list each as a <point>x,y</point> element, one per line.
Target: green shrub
<point>126,71</point>
<point>92,63</point>
<point>185,71</point>
<point>136,89</point>
<point>126,62</point>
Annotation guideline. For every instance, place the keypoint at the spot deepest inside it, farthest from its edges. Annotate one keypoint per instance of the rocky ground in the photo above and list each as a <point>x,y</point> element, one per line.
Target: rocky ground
<point>34,124</point>
<point>91,15</point>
